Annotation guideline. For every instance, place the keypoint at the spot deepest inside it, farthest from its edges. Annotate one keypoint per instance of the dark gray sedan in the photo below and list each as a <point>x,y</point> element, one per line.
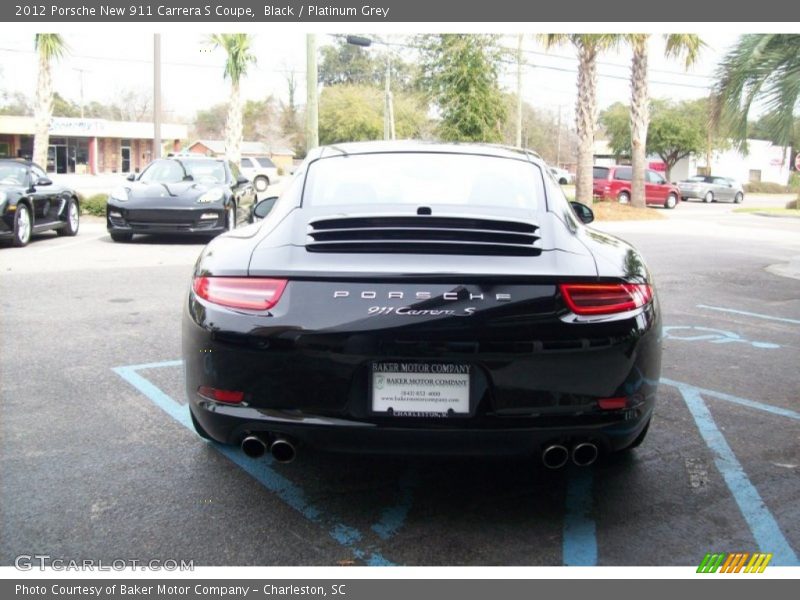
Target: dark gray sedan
<point>710,188</point>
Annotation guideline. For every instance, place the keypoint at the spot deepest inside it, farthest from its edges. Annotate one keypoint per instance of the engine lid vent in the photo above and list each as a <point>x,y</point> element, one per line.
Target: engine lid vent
<point>423,234</point>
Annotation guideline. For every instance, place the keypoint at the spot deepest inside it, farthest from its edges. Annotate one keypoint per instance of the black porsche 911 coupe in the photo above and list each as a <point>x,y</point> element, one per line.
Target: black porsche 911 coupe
<point>179,195</point>
<point>30,203</point>
<point>418,298</point>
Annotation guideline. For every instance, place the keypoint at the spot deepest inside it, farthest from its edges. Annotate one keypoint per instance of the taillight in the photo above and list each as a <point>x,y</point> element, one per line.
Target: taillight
<point>227,396</point>
<point>605,298</point>
<point>251,293</point>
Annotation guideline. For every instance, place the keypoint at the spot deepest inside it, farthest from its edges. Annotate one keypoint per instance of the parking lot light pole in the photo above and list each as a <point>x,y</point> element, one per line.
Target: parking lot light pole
<point>388,101</point>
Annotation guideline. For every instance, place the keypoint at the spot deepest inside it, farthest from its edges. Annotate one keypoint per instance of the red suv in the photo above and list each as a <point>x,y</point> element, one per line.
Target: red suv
<point>614,183</point>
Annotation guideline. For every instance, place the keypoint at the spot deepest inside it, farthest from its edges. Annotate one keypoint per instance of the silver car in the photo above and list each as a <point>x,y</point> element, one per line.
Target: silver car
<point>710,188</point>
<point>260,170</point>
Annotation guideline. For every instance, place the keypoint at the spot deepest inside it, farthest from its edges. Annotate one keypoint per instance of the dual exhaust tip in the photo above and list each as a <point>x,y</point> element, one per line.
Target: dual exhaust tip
<point>554,456</point>
<point>281,449</point>
<point>583,454</point>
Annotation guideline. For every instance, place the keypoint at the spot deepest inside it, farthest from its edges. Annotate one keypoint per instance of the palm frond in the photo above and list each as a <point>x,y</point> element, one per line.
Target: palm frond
<point>761,67</point>
<point>50,45</point>
<point>238,48</point>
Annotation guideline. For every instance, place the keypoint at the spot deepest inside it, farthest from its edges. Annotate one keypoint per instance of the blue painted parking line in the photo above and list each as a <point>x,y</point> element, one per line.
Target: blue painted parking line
<point>759,519</point>
<point>749,314</point>
<point>394,517</point>
<point>580,532</point>
<point>775,410</point>
<point>260,470</point>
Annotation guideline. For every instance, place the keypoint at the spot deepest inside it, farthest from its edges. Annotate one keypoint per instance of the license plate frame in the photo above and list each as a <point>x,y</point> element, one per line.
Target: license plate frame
<point>420,389</point>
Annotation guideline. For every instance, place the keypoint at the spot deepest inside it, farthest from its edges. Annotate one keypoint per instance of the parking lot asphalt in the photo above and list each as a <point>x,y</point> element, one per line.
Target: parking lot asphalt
<point>98,459</point>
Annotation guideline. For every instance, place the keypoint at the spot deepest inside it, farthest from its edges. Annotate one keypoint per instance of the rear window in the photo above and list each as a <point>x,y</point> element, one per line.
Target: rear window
<point>424,179</point>
<point>265,162</point>
<point>623,174</point>
<point>600,173</point>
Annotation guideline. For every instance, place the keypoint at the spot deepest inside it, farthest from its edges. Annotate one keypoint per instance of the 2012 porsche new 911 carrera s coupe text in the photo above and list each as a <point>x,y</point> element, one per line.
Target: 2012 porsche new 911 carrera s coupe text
<point>405,298</point>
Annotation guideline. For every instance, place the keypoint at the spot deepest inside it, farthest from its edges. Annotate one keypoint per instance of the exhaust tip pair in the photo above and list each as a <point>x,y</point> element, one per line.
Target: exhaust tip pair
<point>281,449</point>
<point>583,454</point>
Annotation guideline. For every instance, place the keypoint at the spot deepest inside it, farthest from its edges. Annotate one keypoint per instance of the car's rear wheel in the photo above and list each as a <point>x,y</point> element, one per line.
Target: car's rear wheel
<point>624,198</point>
<point>671,201</point>
<point>261,182</point>
<point>709,197</point>
<point>22,225</point>
<point>562,181</point>
<point>121,236</point>
<point>738,197</point>
<point>199,428</point>
<point>230,218</point>
<point>73,220</point>
<point>639,438</point>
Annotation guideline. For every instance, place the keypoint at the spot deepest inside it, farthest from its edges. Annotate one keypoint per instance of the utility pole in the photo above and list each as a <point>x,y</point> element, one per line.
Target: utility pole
<point>156,96</point>
<point>519,90</point>
<point>81,71</point>
<point>312,115</point>
<point>388,100</point>
<point>388,109</point>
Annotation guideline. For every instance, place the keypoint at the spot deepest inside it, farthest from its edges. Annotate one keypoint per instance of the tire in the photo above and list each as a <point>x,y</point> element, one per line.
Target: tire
<point>709,197</point>
<point>23,225</point>
<point>73,219</point>
<point>230,217</point>
<point>624,198</point>
<point>199,428</point>
<point>671,201</point>
<point>738,197</point>
<point>639,438</point>
<point>562,181</point>
<point>119,236</point>
<point>261,183</point>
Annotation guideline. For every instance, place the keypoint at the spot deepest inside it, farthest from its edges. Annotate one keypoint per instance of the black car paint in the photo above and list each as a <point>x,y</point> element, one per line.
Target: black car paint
<point>173,208</point>
<point>539,369</point>
<point>47,202</point>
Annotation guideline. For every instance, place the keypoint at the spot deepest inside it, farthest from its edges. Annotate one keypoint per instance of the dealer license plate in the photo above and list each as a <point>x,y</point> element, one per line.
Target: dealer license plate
<point>403,389</point>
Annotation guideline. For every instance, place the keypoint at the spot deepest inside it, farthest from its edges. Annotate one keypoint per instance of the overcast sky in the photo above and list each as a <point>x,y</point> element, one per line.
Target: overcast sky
<point>111,62</point>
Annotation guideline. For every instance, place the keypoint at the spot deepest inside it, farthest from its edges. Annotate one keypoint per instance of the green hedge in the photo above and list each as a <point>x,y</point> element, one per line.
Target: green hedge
<point>93,205</point>
<point>765,187</point>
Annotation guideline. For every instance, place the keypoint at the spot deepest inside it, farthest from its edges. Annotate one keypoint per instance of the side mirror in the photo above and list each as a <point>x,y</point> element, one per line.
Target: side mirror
<point>241,180</point>
<point>44,181</point>
<point>131,177</point>
<point>262,208</point>
<point>583,212</point>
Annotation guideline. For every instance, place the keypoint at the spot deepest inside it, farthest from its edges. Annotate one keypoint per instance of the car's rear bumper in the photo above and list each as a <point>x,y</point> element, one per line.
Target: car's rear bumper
<point>610,432</point>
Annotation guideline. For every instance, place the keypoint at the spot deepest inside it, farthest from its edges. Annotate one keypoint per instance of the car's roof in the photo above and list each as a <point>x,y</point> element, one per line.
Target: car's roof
<point>18,161</point>
<point>419,146</point>
<point>193,157</point>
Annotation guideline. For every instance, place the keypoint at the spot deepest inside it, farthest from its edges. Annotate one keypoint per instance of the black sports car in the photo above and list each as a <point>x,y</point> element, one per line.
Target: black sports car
<point>30,203</point>
<point>181,194</point>
<point>416,298</point>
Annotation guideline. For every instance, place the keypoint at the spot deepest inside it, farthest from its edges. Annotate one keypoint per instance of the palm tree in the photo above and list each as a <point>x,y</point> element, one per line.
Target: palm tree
<point>588,46</point>
<point>684,45</point>
<point>237,47</point>
<point>764,67</point>
<point>50,46</point>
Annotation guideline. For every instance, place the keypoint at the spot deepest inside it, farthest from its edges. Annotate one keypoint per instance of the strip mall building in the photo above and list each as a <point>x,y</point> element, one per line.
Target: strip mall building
<point>91,146</point>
